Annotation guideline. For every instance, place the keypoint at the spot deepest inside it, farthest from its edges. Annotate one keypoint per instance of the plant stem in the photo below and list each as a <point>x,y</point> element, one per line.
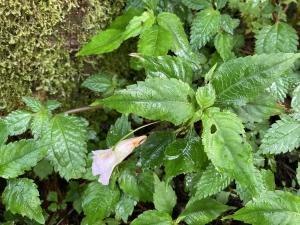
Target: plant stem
<point>82,109</point>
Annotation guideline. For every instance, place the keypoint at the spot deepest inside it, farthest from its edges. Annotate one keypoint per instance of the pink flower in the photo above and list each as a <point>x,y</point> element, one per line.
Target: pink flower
<point>104,161</point>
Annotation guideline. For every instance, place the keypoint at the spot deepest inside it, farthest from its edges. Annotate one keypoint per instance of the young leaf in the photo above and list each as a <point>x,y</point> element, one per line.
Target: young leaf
<point>118,131</point>
<point>52,105</point>
<point>271,208</point>
<point>228,151</point>
<point>240,80</point>
<point>155,41</point>
<point>168,67</point>
<point>164,197</point>
<point>66,137</point>
<point>124,208</point>
<point>40,121</point>
<point>155,99</point>
<point>224,44</point>
<point>3,132</point>
<point>18,122</point>
<point>205,96</point>
<point>204,27</point>
<point>17,157</point>
<point>211,182</point>
<point>203,211</point>
<point>228,24</point>
<point>283,136</point>
<point>100,83</point>
<point>279,37</point>
<point>152,151</point>
<point>99,201</point>
<point>197,4</point>
<point>34,104</point>
<point>153,217</point>
<point>22,197</point>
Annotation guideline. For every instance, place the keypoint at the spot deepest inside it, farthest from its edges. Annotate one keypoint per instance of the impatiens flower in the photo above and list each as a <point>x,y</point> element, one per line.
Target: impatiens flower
<point>104,161</point>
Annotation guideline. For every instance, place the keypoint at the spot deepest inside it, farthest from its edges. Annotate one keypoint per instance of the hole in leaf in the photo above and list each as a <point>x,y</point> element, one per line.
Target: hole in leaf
<point>213,129</point>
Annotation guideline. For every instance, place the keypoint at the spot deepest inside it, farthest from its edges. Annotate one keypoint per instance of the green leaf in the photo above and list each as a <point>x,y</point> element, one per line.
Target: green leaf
<point>122,21</point>
<point>99,201</point>
<point>220,3</point>
<point>197,4</point>
<point>125,208</point>
<point>283,136</point>
<point>279,37</point>
<point>17,157</point>
<point>168,67</point>
<point>155,41</point>
<point>224,44</point>
<point>271,208</point>
<point>34,104</point>
<point>138,25</point>
<point>164,197</point>
<point>228,24</point>
<point>184,156</point>
<point>152,151</point>
<point>99,83</point>
<point>52,105</point>
<point>155,99</point>
<point>153,217</point>
<point>241,80</point>
<point>228,151</point>
<point>298,173</point>
<point>296,99</point>
<point>204,27</point>
<point>66,137</point>
<point>3,132</point>
<point>117,131</point>
<point>205,96</point>
<point>18,122</point>
<point>201,212</point>
<point>211,182</point>
<point>21,196</point>
<point>40,121</point>
<point>43,169</point>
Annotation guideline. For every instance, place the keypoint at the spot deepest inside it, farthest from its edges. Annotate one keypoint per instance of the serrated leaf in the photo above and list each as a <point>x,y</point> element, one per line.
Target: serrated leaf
<point>164,197</point>
<point>224,44</point>
<point>34,104</point>
<point>22,197</point>
<point>3,132</point>
<point>155,41</point>
<point>155,99</point>
<point>117,131</point>
<point>18,122</point>
<point>228,24</point>
<point>39,123</point>
<point>66,137</point>
<point>219,4</point>
<point>228,151</point>
<point>52,105</point>
<point>184,156</point>
<point>205,96</point>
<point>43,169</point>
<point>167,67</point>
<point>201,212</point>
<point>271,208</point>
<point>241,80</point>
<point>125,208</point>
<point>153,217</point>
<point>204,27</point>
<point>211,182</point>
<point>283,136</point>
<point>99,201</point>
<point>197,4</point>
<point>17,157</point>
<point>295,100</point>
<point>100,82</point>
<point>279,37</point>
<point>152,151</point>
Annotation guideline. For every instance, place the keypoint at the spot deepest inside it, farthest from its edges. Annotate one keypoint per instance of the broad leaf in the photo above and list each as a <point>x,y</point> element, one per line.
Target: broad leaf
<point>100,83</point>
<point>279,37</point>
<point>21,196</point>
<point>99,201</point>
<point>283,136</point>
<point>240,80</point>
<point>204,27</point>
<point>17,157</point>
<point>155,41</point>
<point>271,208</point>
<point>40,121</point>
<point>125,207</point>
<point>227,149</point>
<point>3,132</point>
<point>34,104</point>
<point>164,197</point>
<point>66,137</point>
<point>155,99</point>
<point>224,44</point>
<point>153,217</point>
<point>18,122</point>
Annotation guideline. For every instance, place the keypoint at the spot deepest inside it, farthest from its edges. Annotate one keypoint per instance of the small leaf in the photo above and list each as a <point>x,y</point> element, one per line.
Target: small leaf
<point>228,24</point>
<point>99,201</point>
<point>153,217</point>
<point>21,196</point>
<point>40,121</point>
<point>164,197</point>
<point>125,208</point>
<point>18,122</point>
<point>34,104</point>
<point>3,132</point>
<point>224,44</point>
<point>296,99</point>
<point>52,105</point>
<point>154,99</point>
<point>17,157</point>
<point>197,4</point>
<point>205,96</point>
<point>43,169</point>
<point>99,83</point>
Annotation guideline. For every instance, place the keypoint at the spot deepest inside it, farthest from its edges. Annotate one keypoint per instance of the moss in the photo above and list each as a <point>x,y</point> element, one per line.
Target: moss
<point>38,42</point>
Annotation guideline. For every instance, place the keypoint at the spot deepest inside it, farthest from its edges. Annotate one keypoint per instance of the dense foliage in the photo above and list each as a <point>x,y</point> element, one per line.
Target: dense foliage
<point>208,131</point>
